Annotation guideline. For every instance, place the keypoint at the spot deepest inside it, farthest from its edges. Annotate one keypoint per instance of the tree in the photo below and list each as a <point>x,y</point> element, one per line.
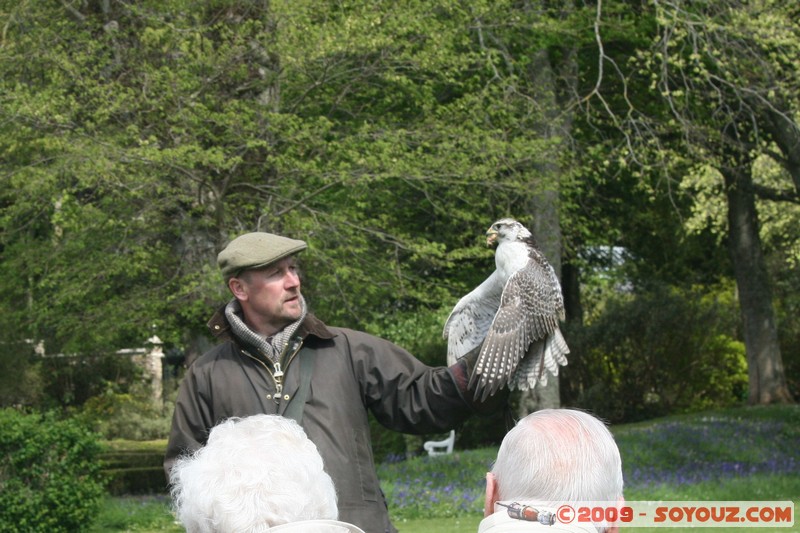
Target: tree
<point>727,77</point>
<point>138,137</point>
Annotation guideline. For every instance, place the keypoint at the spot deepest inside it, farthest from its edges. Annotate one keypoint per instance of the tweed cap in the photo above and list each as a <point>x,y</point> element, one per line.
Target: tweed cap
<point>255,250</point>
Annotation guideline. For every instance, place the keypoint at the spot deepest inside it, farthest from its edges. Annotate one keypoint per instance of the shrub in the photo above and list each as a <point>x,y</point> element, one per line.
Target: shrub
<point>49,474</point>
<point>129,415</point>
<point>662,352</point>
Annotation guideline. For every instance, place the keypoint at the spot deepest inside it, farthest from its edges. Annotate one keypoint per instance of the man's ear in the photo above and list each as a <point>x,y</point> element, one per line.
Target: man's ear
<point>237,287</point>
<point>491,494</point>
<point>615,527</point>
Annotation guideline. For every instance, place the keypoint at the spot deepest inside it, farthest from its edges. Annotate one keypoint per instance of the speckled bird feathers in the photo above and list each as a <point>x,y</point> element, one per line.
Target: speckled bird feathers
<point>513,315</point>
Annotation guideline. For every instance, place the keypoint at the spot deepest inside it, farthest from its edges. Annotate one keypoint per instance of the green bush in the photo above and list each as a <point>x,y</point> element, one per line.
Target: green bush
<point>661,352</point>
<point>49,474</point>
<point>129,415</point>
<point>128,411</point>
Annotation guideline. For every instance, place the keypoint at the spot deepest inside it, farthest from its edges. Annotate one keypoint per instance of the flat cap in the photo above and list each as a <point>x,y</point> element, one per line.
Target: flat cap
<point>255,250</point>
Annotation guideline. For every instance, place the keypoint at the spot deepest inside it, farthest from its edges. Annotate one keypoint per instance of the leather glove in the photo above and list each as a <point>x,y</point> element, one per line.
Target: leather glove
<point>462,371</point>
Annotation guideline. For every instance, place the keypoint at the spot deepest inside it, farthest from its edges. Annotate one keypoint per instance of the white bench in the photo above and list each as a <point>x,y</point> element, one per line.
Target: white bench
<point>441,447</point>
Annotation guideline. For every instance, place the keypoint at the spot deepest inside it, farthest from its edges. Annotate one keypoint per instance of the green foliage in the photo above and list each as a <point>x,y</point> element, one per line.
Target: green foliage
<point>71,380</point>
<point>418,332</point>
<point>49,474</point>
<point>656,353</point>
<point>21,380</point>
<point>137,138</point>
<point>127,415</point>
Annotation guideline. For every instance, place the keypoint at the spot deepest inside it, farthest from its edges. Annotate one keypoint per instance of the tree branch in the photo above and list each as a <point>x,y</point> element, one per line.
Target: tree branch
<point>776,195</point>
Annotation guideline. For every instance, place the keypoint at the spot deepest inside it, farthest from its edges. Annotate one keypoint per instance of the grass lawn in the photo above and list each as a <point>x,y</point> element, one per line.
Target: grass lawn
<point>460,524</point>
<point>745,454</point>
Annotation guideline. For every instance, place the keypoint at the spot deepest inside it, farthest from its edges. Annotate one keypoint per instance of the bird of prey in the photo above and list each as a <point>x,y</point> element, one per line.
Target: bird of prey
<point>513,316</point>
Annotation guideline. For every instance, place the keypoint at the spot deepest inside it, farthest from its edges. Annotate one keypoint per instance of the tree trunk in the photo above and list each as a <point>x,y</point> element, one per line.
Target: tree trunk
<point>765,367</point>
<point>547,231</point>
<point>546,226</point>
<point>571,286</point>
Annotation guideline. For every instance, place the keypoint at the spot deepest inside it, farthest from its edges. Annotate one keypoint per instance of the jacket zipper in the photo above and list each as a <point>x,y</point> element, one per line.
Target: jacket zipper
<point>277,373</point>
<point>277,377</point>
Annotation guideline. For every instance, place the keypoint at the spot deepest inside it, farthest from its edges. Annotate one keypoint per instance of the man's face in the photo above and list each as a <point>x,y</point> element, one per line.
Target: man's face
<point>270,296</point>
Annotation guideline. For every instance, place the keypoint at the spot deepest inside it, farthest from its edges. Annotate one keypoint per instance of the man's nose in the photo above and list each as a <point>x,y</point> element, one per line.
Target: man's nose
<point>292,279</point>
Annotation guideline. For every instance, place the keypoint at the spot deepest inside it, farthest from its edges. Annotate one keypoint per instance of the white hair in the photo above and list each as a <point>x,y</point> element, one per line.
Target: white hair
<point>253,473</point>
<point>558,455</point>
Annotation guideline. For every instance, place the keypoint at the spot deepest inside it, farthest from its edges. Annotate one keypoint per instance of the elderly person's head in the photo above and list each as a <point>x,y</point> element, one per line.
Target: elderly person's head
<point>554,456</point>
<point>254,473</point>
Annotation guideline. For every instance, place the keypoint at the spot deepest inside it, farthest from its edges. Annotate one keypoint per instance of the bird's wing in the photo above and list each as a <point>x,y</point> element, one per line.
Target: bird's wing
<point>543,357</point>
<point>530,308</point>
<point>470,319</point>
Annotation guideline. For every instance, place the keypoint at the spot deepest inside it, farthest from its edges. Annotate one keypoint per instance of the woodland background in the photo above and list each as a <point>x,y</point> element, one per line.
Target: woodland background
<point>653,147</point>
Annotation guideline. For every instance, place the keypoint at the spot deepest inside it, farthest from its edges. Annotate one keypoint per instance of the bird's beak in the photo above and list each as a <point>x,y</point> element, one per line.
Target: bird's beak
<point>491,236</point>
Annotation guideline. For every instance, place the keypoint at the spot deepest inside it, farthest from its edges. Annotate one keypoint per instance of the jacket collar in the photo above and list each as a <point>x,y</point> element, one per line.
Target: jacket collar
<point>501,522</point>
<point>311,326</point>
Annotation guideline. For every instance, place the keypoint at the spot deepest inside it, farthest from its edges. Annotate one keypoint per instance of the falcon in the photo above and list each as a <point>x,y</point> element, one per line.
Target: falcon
<point>513,316</point>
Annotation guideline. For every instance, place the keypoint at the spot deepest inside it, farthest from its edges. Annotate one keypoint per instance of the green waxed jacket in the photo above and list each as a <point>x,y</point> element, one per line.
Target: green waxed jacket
<point>352,372</point>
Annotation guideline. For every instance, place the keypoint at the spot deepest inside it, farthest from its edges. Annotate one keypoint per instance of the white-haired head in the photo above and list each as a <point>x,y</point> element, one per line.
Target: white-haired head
<point>558,455</point>
<point>254,473</point>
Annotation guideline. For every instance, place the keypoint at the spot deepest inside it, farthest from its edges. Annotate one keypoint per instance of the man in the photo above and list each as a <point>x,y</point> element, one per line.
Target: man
<point>256,474</point>
<point>277,358</point>
<point>551,457</point>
